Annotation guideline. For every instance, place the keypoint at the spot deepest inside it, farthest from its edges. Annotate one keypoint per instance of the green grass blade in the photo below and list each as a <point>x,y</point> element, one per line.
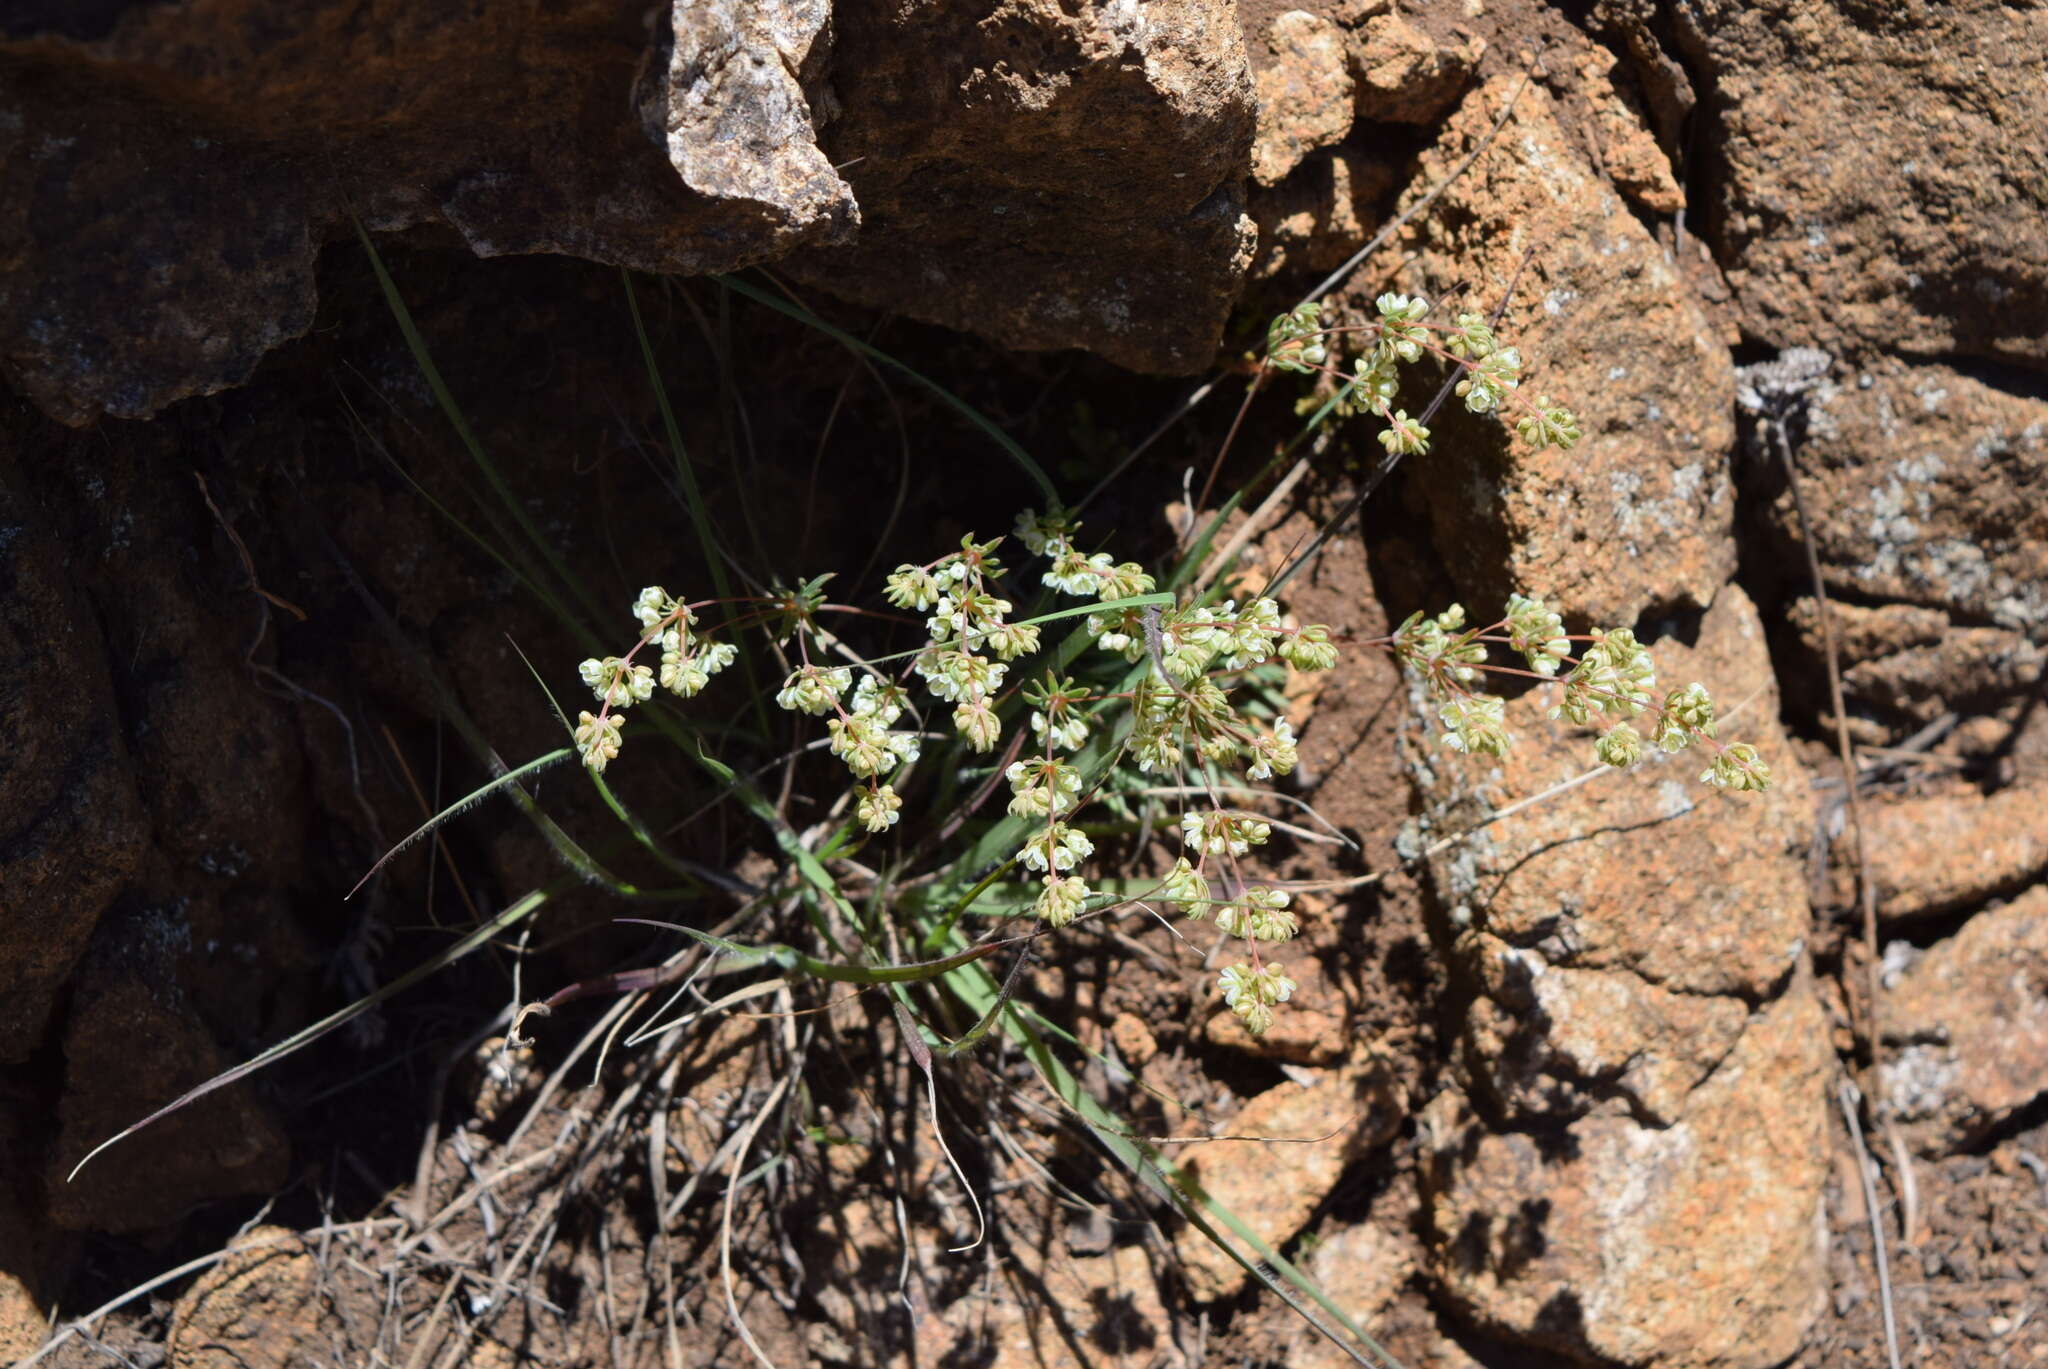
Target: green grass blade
<point>463,805</point>
<point>792,960</point>
<point>306,1036</point>
<point>960,406</point>
<point>453,411</point>
<point>979,990</point>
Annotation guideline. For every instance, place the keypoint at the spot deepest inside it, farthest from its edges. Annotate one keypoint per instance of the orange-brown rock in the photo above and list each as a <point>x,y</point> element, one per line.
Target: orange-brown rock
<point>258,1309</point>
<point>1321,213</point>
<point>1872,195</point>
<point>1939,853</point>
<point>1304,89</point>
<point>1404,75</point>
<point>1602,1177</point>
<point>1648,871</point>
<point>1284,1151</point>
<point>1966,1024</point>
<point>1639,512</point>
<point>1695,1244</point>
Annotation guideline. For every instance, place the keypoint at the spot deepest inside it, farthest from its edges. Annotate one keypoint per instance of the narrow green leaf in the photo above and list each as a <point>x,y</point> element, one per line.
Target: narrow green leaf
<point>951,400</point>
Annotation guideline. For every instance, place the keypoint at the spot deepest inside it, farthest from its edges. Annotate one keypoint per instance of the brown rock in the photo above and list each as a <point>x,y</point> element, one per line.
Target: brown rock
<point>1048,175</point>
<point>1104,1310</point>
<point>72,831</point>
<point>1305,1138</point>
<point>257,1309</point>
<point>1874,196</point>
<point>129,283</point>
<point>22,1324</point>
<point>1690,1245</point>
<point>1939,853</point>
<point>1650,872</point>
<point>1050,179</point>
<point>1968,1024</point>
<point>1322,213</point>
<point>1923,485</point>
<point>1639,512</point>
<point>1903,666</point>
<point>1405,76</point>
<point>1361,1268</point>
<point>1606,1193</point>
<point>133,1043</point>
<point>1550,1040</point>
<point>1133,1040</point>
<point>1304,94</point>
<point>1627,150</point>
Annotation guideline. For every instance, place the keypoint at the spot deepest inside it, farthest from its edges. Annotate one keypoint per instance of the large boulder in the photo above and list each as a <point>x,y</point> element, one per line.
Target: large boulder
<point>1628,1163</point>
<point>1049,178</point>
<point>1871,189</point>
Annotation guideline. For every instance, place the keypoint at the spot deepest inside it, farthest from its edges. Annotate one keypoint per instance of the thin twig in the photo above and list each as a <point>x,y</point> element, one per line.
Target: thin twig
<point>78,1325</point>
<point>1850,1096</point>
<point>1866,888</point>
<point>732,1188</point>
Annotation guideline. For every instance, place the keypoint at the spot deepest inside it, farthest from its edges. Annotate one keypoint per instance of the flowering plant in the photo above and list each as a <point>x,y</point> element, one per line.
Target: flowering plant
<point>1164,700</point>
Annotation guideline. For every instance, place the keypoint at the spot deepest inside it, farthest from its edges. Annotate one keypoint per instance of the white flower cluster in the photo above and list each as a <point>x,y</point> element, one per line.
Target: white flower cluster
<point>1183,715</point>
<point>1490,375</point>
<point>1614,676</point>
<point>1538,633</point>
<point>688,662</point>
<point>1262,915</point>
<point>860,731</point>
<point>1073,571</point>
<point>1610,685</point>
<point>1253,993</point>
<point>1441,649</point>
<point>966,618</point>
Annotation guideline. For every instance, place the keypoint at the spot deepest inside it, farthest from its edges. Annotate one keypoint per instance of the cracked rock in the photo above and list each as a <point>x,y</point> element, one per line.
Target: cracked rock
<point>1967,1024</point>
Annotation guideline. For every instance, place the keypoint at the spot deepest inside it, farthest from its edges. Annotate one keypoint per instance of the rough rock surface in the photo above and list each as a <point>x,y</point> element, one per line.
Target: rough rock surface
<point>72,830</point>
<point>135,1042</point>
<point>1648,872</point>
<point>1320,214</point>
<point>1605,323</point>
<point>1968,1021</point>
<point>1602,1179</point>
<point>1361,1268</point>
<point>169,178</point>
<point>1692,1244</point>
<point>1944,853</point>
<point>1625,148</point>
<point>1304,91</point>
<point>1872,193</point>
<point>254,1310</point>
<point>168,173</point>
<point>22,1324</point>
<point>1905,666</point>
<point>1047,175</point>
<point>1404,75</point>
<point>1278,1161</point>
<point>1924,485</point>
